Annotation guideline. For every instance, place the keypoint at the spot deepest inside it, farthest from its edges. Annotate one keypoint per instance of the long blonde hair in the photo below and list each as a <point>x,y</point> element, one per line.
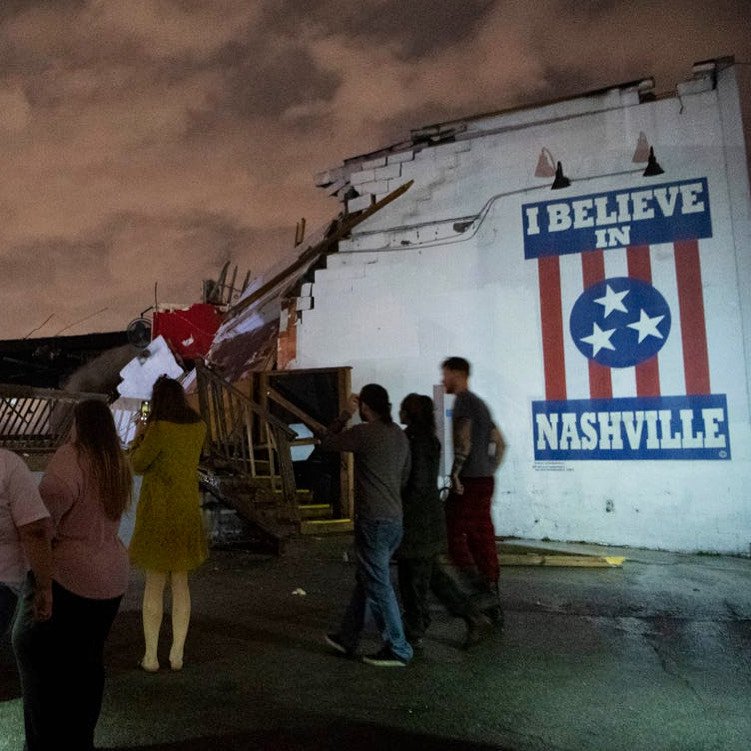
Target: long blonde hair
<point>97,440</point>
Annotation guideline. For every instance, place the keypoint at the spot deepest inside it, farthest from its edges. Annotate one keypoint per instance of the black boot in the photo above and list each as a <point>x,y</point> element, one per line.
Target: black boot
<point>479,627</point>
<point>488,602</point>
<point>495,611</point>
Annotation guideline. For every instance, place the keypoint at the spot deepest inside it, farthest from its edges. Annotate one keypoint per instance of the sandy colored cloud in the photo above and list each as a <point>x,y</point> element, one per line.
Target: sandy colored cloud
<point>15,110</point>
<point>152,140</point>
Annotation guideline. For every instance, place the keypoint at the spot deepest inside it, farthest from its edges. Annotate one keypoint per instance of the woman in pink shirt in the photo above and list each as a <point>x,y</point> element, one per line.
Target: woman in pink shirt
<point>86,488</point>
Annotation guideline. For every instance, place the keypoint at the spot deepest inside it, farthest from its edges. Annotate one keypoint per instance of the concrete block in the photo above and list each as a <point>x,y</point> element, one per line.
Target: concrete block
<point>448,160</point>
<point>368,242</point>
<point>455,147</point>
<point>322,179</point>
<point>283,320</point>
<point>306,289</point>
<point>365,176</point>
<point>388,172</point>
<point>695,86</point>
<point>359,203</point>
<point>304,303</point>
<point>373,163</point>
<point>401,157</point>
<point>351,271</point>
<point>336,186</point>
<point>410,170</point>
<point>377,186</point>
<point>326,177</point>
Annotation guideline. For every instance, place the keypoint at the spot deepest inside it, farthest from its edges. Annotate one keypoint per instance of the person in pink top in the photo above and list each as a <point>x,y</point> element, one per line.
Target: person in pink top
<point>86,488</point>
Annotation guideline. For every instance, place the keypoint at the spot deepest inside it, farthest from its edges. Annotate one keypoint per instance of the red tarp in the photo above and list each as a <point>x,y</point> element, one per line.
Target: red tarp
<point>189,332</point>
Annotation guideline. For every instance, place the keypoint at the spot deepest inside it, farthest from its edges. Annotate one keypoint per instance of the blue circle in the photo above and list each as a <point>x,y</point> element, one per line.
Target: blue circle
<point>614,314</point>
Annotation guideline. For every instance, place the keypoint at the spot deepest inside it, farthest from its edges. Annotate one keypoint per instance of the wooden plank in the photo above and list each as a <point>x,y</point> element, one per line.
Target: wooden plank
<point>324,526</point>
<point>563,560</point>
<point>347,461</point>
<point>309,371</point>
<point>314,425</point>
<point>309,511</point>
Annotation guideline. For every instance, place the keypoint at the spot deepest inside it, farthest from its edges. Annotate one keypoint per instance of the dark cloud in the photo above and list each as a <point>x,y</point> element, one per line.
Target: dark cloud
<point>265,80</point>
<point>13,8</point>
<point>253,74</point>
<point>413,28</point>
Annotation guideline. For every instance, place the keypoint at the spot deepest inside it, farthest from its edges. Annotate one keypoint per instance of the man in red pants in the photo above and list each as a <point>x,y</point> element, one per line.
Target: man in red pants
<point>478,450</point>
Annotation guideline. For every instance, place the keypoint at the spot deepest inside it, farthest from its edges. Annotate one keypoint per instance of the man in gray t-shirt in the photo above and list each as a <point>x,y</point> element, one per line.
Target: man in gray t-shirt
<point>478,450</point>
<point>382,465</point>
<point>381,453</point>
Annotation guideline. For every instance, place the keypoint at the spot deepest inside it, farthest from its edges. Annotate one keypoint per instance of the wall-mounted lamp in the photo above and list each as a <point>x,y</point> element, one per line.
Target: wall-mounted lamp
<point>561,181</point>
<point>545,164</point>
<point>653,168</point>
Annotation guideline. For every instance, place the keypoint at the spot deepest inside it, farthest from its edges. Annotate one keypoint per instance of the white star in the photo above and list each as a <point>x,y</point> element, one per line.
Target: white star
<point>612,301</point>
<point>599,339</point>
<point>647,326</point>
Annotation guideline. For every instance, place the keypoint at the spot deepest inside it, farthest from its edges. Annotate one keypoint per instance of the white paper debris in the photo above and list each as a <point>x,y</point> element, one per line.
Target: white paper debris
<point>142,371</point>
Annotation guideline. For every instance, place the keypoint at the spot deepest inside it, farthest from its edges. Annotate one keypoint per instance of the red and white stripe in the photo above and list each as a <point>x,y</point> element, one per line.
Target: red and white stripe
<point>681,366</point>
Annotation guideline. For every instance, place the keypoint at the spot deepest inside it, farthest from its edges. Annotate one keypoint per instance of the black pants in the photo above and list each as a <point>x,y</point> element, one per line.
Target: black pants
<point>418,577</point>
<point>8,602</point>
<point>61,665</point>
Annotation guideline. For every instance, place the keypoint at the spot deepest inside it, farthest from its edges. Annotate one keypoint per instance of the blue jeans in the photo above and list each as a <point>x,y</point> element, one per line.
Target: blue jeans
<point>376,540</point>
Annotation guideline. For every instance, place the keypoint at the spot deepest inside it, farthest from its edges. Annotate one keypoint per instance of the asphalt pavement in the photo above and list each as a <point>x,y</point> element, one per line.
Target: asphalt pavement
<point>655,654</point>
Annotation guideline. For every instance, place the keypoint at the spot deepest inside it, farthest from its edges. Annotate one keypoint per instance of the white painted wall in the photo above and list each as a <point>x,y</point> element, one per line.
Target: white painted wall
<point>408,290</point>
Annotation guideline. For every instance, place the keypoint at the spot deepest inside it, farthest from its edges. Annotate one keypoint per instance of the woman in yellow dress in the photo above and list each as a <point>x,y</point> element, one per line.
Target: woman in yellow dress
<point>168,539</point>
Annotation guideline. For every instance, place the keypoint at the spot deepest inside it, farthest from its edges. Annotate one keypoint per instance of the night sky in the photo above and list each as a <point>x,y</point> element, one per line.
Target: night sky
<point>150,141</point>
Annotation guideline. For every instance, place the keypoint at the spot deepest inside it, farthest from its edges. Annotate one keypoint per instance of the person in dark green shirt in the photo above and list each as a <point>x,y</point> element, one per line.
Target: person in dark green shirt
<point>422,567</point>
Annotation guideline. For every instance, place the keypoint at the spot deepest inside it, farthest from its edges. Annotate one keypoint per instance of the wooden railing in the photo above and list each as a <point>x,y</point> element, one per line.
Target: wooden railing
<point>268,387</point>
<point>34,420</point>
<point>244,437</point>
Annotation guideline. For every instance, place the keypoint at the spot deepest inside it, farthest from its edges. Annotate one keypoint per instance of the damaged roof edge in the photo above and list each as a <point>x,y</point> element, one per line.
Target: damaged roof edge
<point>338,229</point>
<point>433,134</point>
<point>247,338</point>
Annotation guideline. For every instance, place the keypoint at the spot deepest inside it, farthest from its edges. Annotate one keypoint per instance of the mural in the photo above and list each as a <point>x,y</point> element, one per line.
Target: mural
<point>623,323</point>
